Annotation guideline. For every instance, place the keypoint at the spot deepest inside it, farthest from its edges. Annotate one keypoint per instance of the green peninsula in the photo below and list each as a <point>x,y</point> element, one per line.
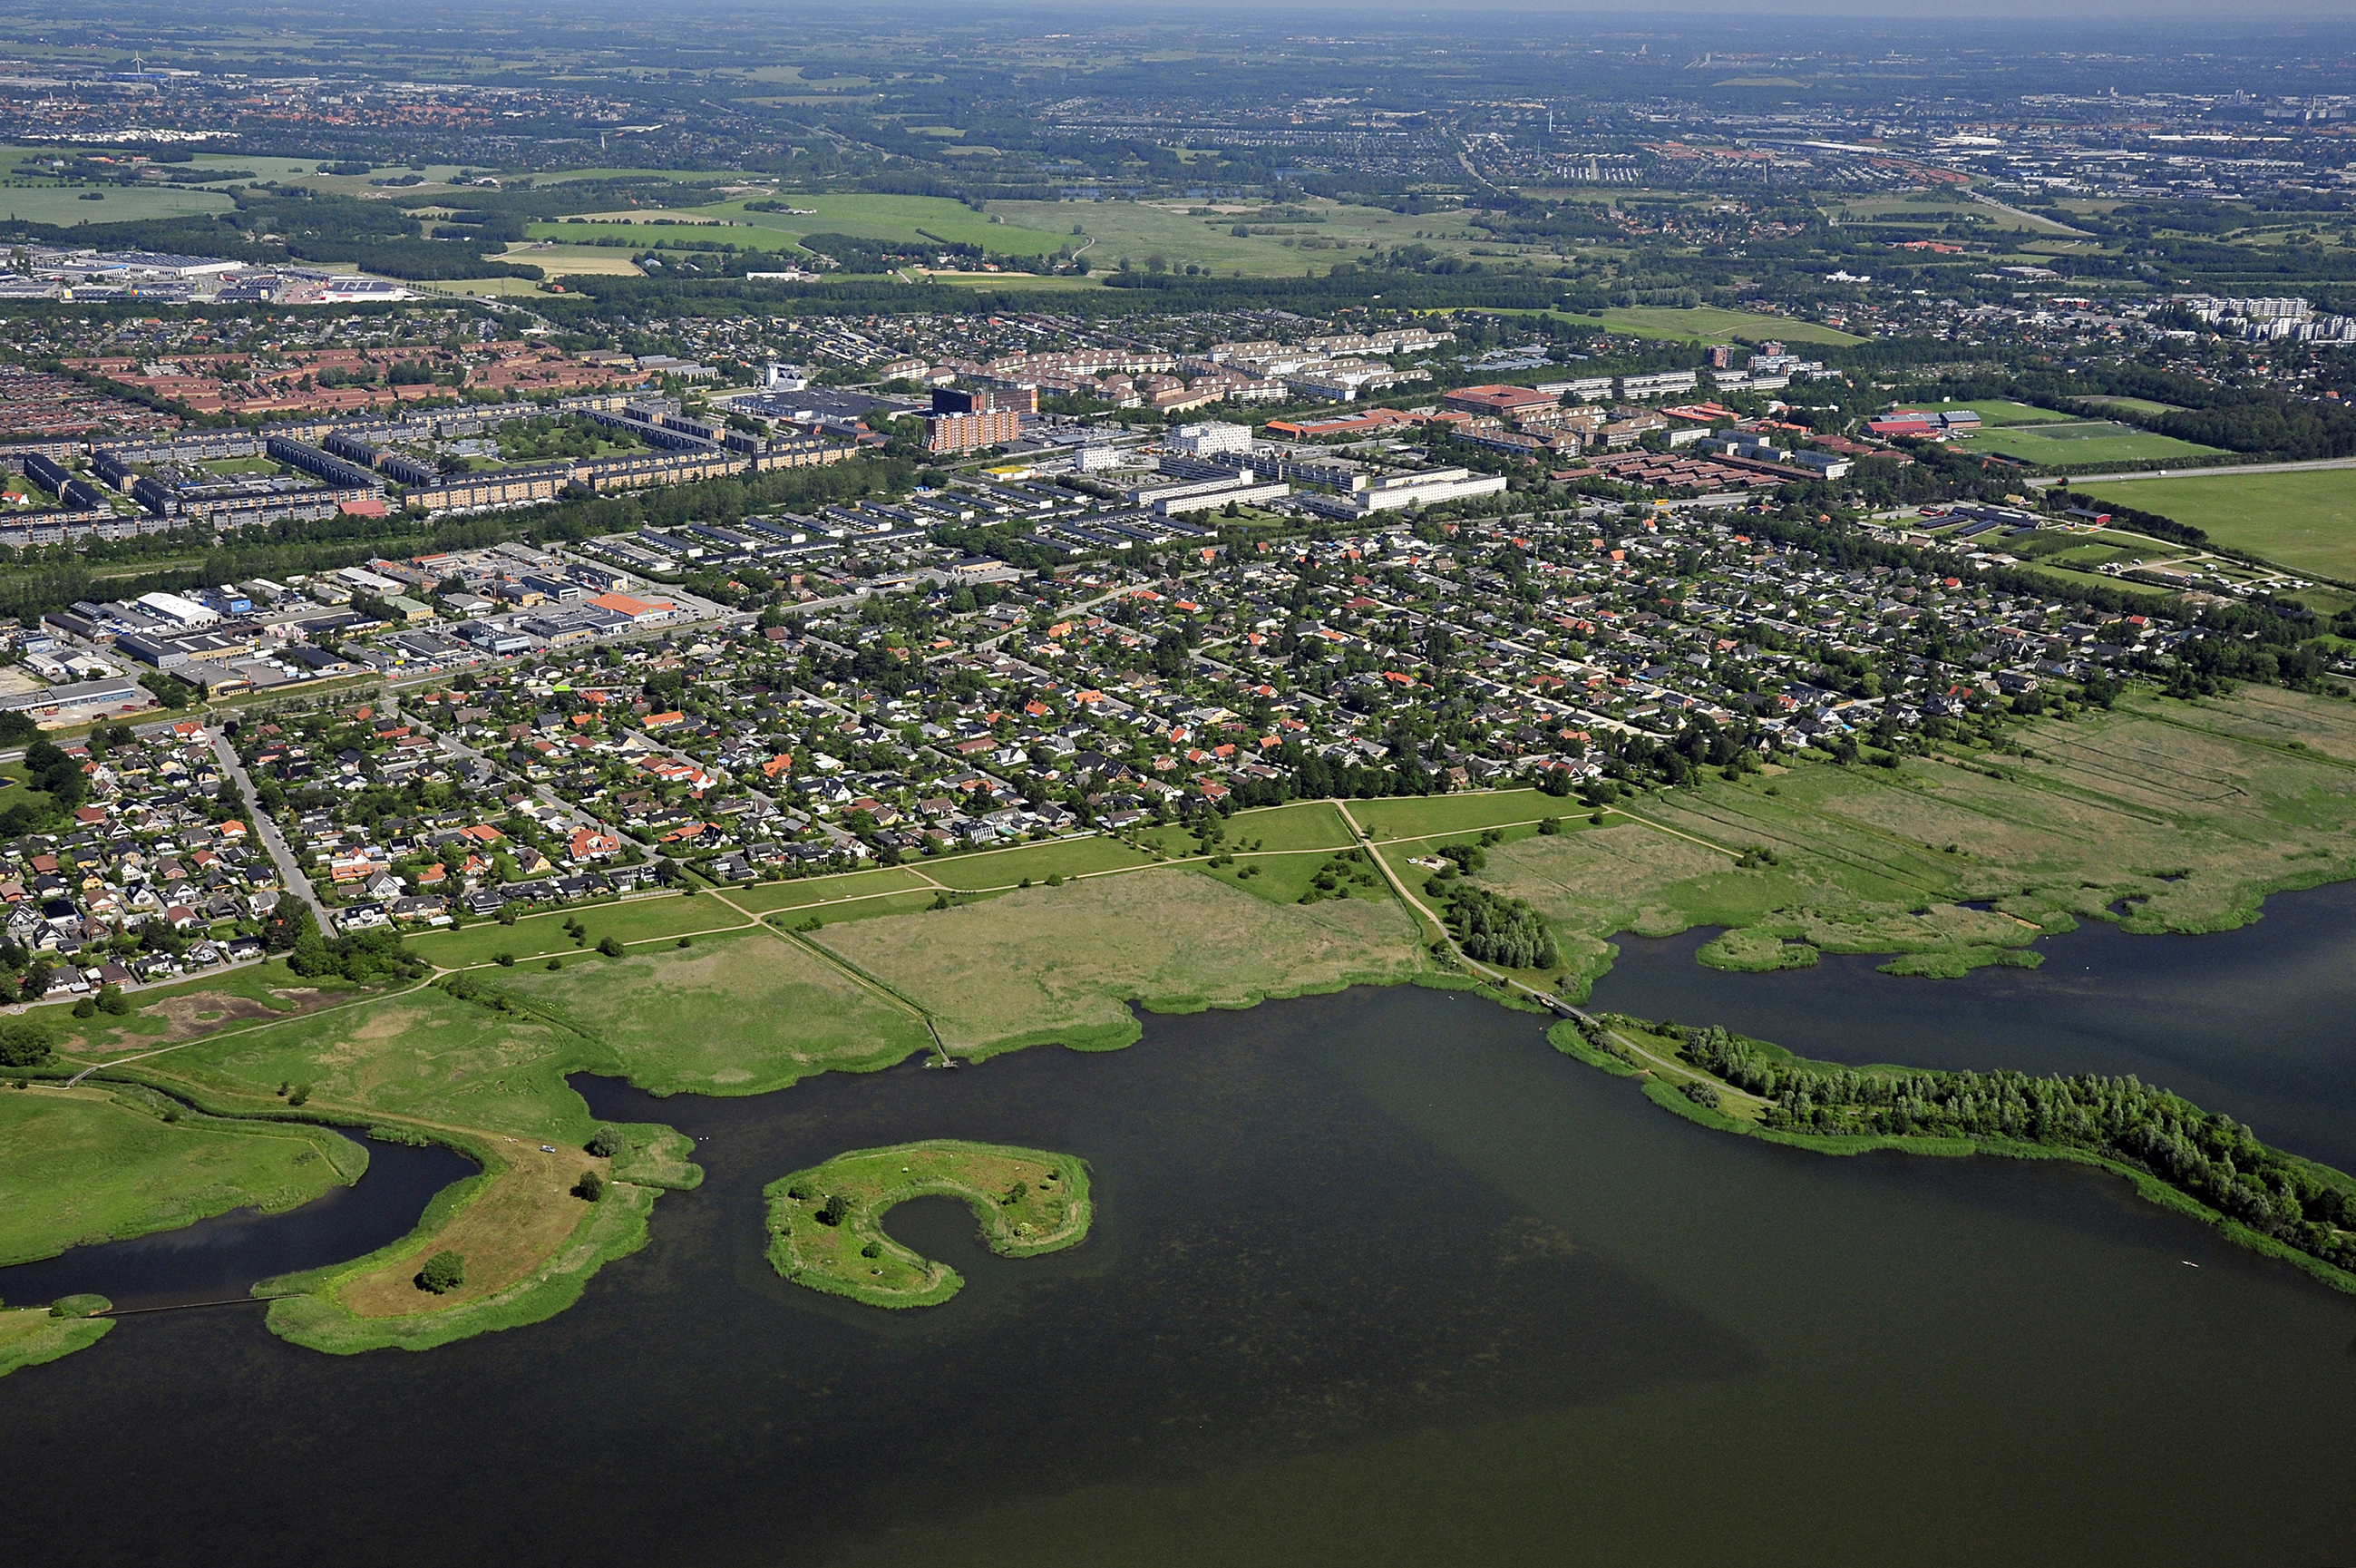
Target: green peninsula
<point>826,1222</point>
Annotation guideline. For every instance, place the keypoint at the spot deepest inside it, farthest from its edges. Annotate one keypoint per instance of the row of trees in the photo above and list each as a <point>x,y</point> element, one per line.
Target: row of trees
<point>2211,1158</point>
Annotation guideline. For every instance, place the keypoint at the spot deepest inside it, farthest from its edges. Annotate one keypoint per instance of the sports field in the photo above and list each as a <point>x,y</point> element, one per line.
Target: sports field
<point>2304,521</point>
<point>2062,442</point>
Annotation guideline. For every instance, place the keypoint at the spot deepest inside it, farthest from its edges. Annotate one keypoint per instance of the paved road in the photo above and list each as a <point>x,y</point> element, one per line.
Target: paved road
<point>2223,472</point>
<point>290,871</point>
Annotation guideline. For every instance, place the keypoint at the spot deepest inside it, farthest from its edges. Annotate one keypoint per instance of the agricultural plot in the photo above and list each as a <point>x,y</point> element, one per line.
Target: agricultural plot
<point>2305,520</point>
<point>1062,964</point>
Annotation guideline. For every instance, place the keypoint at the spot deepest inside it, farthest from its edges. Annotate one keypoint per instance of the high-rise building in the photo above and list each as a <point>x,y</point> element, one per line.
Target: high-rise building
<point>962,432</point>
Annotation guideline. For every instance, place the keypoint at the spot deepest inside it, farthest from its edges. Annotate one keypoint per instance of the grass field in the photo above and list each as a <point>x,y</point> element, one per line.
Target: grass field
<point>1431,815</point>
<point>30,1336</point>
<point>2191,813</point>
<point>738,1015</point>
<point>2135,405</point>
<point>573,261</point>
<point>1028,1202</point>
<point>1062,964</point>
<point>2050,443</point>
<point>119,204</point>
<point>913,220</point>
<point>657,918</point>
<point>77,1166</point>
<point>806,892</point>
<point>1007,868</point>
<point>2305,521</point>
<point>1711,325</point>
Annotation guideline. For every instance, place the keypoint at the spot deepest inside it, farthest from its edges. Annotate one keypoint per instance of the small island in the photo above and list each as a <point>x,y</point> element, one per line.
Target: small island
<point>826,1229</point>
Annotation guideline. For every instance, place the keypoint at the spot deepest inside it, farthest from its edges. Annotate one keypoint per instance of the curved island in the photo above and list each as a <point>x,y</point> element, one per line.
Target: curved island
<point>826,1229</point>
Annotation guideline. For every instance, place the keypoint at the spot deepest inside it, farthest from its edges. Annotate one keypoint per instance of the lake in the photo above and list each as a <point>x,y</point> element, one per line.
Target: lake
<point>1377,1278</point>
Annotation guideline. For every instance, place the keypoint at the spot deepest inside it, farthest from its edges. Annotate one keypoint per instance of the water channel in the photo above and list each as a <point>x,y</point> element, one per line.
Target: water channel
<point>1377,1278</point>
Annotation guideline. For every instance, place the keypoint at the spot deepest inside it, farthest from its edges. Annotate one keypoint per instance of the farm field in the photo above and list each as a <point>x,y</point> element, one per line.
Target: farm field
<point>1709,325</point>
<point>2305,521</point>
<point>2062,442</point>
<point>1141,229</point>
<point>76,1166</point>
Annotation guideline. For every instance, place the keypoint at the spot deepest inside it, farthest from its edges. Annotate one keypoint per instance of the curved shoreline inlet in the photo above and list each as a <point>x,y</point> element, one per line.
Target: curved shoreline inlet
<point>826,1223</point>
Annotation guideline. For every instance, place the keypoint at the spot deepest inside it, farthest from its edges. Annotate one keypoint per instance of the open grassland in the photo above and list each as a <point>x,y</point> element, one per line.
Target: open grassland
<point>2057,444</point>
<point>2182,815</point>
<point>29,1336</point>
<point>1062,964</point>
<point>1711,325</point>
<point>738,1015</point>
<point>78,1167</point>
<point>2305,521</point>
<point>826,1223</point>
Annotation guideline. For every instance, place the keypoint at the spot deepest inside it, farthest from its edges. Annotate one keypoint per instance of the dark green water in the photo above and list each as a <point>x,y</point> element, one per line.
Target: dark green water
<point>1378,1278</point>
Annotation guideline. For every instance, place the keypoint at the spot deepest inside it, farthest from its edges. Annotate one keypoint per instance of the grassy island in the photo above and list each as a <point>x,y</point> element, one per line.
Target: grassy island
<point>30,1335</point>
<point>826,1229</point>
<point>2197,1163</point>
